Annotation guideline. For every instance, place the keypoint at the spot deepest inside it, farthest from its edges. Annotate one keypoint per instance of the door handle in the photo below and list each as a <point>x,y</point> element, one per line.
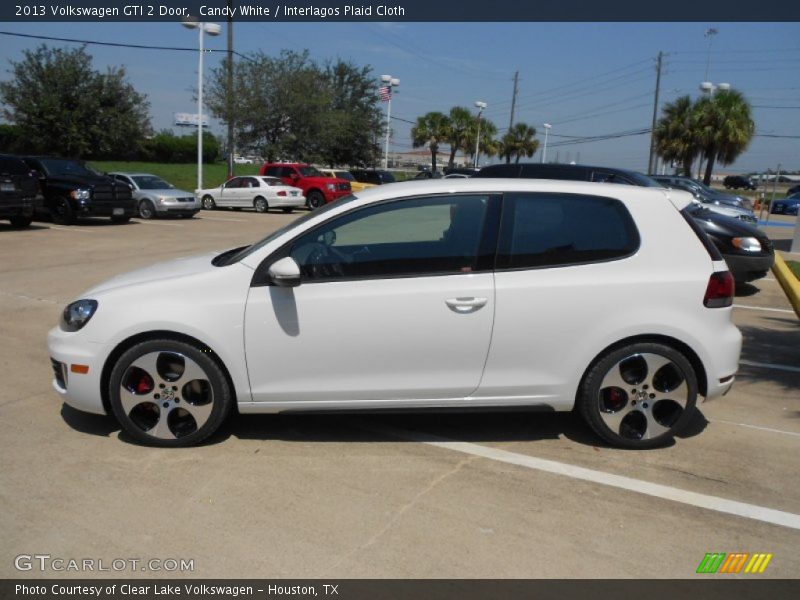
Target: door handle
<point>466,304</point>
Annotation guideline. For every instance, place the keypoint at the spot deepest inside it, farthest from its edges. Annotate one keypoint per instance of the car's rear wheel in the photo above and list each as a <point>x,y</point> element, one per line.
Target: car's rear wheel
<point>146,210</point>
<point>315,199</point>
<point>261,204</point>
<point>208,203</point>
<point>19,221</point>
<point>639,396</point>
<point>168,393</point>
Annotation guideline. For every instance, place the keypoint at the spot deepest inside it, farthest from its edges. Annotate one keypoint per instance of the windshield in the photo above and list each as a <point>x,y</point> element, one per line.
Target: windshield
<point>151,182</point>
<point>308,171</point>
<point>60,166</point>
<point>248,250</point>
<point>344,175</point>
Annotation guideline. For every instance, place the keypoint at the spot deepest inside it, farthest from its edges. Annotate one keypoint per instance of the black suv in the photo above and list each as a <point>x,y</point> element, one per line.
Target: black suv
<point>738,181</point>
<point>73,190</point>
<point>372,176</point>
<point>748,252</point>
<point>18,189</point>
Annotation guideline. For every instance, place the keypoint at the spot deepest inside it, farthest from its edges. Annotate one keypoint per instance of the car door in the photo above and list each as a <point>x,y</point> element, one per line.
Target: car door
<point>396,304</point>
<point>229,193</point>
<point>560,272</point>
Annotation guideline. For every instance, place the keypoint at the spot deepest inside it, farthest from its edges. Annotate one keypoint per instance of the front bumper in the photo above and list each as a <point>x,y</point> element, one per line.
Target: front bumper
<point>748,268</point>
<point>79,390</point>
<point>16,209</point>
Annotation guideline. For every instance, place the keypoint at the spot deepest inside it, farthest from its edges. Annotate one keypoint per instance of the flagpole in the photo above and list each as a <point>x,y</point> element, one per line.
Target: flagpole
<point>388,83</point>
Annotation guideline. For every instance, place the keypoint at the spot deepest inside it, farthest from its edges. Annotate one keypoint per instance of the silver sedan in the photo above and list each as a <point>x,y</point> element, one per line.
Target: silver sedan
<point>158,198</point>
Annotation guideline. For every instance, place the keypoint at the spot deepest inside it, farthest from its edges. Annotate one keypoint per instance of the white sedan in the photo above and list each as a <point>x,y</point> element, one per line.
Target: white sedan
<point>252,191</point>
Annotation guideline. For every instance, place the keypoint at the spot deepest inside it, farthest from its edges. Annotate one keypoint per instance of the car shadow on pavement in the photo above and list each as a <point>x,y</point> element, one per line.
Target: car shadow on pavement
<point>745,290</point>
<point>778,345</point>
<point>6,228</point>
<point>369,427</point>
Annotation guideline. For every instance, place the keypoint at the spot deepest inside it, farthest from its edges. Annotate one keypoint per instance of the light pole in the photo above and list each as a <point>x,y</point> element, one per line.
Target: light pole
<point>710,33</point>
<point>210,29</point>
<point>547,127</point>
<point>481,106</point>
<point>386,94</point>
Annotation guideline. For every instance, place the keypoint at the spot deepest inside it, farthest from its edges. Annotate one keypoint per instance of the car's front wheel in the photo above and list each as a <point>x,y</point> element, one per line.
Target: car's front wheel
<point>315,199</point>
<point>639,396</point>
<point>146,210</point>
<point>168,393</point>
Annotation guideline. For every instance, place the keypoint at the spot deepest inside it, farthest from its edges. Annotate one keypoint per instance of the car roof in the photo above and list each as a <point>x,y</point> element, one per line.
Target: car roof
<point>130,174</point>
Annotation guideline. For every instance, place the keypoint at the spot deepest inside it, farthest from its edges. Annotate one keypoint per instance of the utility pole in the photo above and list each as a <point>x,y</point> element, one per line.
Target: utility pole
<point>229,95</point>
<point>651,161</point>
<point>514,100</point>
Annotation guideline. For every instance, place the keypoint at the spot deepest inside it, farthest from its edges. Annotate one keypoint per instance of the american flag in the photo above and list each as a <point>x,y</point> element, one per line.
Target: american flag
<point>385,92</point>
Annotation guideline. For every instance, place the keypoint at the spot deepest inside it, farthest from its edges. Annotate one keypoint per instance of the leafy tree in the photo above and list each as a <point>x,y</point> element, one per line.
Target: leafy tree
<point>431,130</point>
<point>353,120</point>
<point>725,127</point>
<point>63,106</point>
<point>459,122</point>
<point>677,133</point>
<point>518,141</point>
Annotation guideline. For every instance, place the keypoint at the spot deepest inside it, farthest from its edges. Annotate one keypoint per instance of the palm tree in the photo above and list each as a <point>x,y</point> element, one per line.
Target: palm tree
<point>489,145</point>
<point>431,129</point>
<point>725,128</point>
<point>518,142</point>
<point>460,121</point>
<point>677,135</point>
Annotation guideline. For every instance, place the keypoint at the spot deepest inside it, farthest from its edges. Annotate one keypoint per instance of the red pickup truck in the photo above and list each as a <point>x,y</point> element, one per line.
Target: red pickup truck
<point>317,188</point>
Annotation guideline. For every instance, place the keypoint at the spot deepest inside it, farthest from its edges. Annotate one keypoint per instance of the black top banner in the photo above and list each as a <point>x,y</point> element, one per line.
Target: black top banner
<point>399,10</point>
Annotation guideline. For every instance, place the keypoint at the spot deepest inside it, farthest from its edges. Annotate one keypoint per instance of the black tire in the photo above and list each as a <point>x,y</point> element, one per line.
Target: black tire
<point>120,220</point>
<point>20,221</point>
<point>141,417</point>
<point>649,407</point>
<point>61,211</point>
<point>146,210</point>
<point>315,199</point>
<point>208,203</point>
<point>288,210</point>
<point>260,204</point>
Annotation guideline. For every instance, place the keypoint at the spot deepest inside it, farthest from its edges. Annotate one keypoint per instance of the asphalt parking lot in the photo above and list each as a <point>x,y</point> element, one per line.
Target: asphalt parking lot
<point>491,495</point>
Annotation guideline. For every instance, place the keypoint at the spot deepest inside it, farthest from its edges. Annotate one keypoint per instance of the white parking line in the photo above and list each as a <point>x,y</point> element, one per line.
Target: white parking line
<point>159,223</point>
<point>778,310</point>
<point>223,219</point>
<point>74,229</point>
<point>664,492</point>
<point>752,363</point>
<point>768,429</point>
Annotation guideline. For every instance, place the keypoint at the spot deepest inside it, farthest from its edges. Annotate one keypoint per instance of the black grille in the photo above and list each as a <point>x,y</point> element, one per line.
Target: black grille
<point>185,199</point>
<point>104,192</point>
<point>344,187</point>
<point>60,373</point>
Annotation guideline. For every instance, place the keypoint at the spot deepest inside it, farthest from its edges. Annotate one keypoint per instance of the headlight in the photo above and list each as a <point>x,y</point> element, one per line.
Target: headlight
<point>162,199</point>
<point>746,244</point>
<point>77,314</point>
<point>81,194</point>
<point>331,187</point>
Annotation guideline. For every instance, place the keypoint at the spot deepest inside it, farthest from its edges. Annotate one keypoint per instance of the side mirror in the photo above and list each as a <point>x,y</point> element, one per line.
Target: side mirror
<point>285,272</point>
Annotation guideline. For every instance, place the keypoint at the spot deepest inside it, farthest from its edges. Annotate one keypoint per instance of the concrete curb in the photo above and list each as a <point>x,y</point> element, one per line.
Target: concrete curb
<point>789,283</point>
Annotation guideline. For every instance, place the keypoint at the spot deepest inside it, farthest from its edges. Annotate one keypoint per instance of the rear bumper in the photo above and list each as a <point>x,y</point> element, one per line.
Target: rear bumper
<point>721,368</point>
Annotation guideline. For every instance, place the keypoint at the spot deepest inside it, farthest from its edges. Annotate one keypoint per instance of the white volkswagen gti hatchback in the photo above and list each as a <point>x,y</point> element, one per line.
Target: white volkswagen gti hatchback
<point>601,298</point>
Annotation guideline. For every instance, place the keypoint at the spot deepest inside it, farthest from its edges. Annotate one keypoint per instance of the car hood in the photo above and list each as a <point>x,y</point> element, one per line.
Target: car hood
<point>168,193</point>
<point>173,270</point>
<point>324,180</point>
<point>85,181</point>
<point>714,222</point>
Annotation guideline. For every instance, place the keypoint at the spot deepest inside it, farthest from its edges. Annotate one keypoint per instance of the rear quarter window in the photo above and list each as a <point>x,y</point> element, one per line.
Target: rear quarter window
<point>541,230</point>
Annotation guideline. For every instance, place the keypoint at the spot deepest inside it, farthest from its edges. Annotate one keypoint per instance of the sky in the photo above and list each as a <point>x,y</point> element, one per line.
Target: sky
<point>585,79</point>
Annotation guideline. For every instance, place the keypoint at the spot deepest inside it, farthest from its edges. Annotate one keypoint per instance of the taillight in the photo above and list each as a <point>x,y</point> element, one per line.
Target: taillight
<point>719,292</point>
<point>281,193</point>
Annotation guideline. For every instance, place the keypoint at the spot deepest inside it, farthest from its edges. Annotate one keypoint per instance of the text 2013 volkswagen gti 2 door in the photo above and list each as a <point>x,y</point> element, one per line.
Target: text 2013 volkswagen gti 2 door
<point>450,293</point>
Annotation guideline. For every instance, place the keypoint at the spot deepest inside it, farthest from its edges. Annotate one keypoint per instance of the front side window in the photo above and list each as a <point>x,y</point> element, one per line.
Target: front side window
<point>419,236</point>
<point>548,229</point>
<point>309,171</point>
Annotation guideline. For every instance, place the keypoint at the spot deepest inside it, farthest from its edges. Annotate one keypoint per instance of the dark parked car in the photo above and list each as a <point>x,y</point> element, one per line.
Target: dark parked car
<point>71,190</point>
<point>787,206</point>
<point>468,171</point>
<point>373,176</point>
<point>736,182</point>
<point>748,252</point>
<point>793,190</point>
<point>712,195</point>
<point>711,201</point>
<point>18,189</point>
